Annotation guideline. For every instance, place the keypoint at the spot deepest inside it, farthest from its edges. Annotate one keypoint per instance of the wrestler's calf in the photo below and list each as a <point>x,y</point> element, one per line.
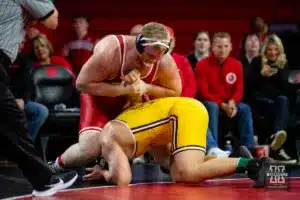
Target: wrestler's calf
<point>85,151</point>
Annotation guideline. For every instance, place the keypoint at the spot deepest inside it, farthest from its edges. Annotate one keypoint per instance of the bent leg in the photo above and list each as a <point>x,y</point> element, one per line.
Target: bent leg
<point>190,166</point>
<point>117,146</point>
<point>83,152</point>
<point>92,120</point>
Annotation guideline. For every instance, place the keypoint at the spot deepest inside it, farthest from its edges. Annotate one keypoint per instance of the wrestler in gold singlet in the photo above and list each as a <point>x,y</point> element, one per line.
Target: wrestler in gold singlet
<point>181,121</point>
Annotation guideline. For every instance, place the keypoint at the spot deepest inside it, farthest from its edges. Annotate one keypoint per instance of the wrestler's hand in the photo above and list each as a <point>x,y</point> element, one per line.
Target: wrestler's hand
<point>131,77</point>
<point>140,87</point>
<point>94,173</point>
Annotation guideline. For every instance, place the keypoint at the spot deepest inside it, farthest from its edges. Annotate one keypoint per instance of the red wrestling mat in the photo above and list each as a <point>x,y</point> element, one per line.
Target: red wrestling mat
<point>234,189</point>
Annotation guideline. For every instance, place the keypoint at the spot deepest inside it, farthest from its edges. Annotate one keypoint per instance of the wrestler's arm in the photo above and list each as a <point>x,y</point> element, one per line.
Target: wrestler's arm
<point>168,78</point>
<point>100,67</point>
<point>119,168</point>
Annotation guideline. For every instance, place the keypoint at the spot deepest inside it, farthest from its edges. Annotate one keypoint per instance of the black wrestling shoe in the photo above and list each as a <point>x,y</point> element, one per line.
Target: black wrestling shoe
<point>57,183</point>
<point>257,169</point>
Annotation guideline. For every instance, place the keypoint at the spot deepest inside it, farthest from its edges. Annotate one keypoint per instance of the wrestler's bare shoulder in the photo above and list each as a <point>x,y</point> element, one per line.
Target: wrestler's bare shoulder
<point>107,44</point>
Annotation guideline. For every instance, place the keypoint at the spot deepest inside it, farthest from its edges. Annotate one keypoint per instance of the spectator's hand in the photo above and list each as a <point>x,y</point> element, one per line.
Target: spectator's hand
<point>224,106</point>
<point>232,109</point>
<point>20,103</point>
<point>94,173</point>
<point>268,71</point>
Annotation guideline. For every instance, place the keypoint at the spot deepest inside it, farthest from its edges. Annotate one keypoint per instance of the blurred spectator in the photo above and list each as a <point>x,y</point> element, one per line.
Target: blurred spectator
<point>220,85</point>
<point>136,29</point>
<point>201,48</point>
<point>261,28</point>
<point>267,92</point>
<point>42,51</point>
<point>251,49</point>
<point>189,89</point>
<point>79,49</point>
<point>20,85</point>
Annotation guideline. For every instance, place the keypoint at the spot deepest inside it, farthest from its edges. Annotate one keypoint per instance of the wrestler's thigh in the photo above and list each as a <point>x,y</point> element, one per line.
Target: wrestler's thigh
<point>89,142</point>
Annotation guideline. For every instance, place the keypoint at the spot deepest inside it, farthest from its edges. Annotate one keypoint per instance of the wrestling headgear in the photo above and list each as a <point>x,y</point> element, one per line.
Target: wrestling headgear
<point>141,42</point>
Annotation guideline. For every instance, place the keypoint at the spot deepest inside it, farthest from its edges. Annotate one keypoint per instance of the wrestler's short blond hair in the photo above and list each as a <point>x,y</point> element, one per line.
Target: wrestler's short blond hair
<point>156,31</point>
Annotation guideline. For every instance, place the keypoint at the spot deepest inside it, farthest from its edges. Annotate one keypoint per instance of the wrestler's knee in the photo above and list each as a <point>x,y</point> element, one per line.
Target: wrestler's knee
<point>185,166</point>
<point>184,174</point>
<point>89,144</point>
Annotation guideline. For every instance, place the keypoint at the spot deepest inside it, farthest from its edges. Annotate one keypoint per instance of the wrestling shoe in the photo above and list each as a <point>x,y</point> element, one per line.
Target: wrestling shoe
<point>257,169</point>
<point>57,183</point>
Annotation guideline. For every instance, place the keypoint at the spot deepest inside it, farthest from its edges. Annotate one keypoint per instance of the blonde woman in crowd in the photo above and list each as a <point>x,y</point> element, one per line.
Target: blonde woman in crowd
<point>267,93</point>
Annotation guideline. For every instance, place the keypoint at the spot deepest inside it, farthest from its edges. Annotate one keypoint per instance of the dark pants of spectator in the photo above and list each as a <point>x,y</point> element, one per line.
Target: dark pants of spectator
<point>37,114</point>
<point>15,142</point>
<point>245,122</point>
<point>277,108</point>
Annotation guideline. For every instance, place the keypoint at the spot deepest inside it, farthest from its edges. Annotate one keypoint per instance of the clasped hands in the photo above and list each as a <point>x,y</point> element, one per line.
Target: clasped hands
<point>230,108</point>
<point>137,88</point>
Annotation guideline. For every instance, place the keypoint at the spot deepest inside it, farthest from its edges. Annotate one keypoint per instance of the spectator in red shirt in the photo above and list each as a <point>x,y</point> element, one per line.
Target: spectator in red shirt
<point>42,53</point>
<point>189,89</point>
<point>80,48</point>
<point>136,29</point>
<point>220,86</point>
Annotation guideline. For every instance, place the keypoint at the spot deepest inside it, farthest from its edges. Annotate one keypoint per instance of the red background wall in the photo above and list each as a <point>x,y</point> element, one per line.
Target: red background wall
<point>186,17</point>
